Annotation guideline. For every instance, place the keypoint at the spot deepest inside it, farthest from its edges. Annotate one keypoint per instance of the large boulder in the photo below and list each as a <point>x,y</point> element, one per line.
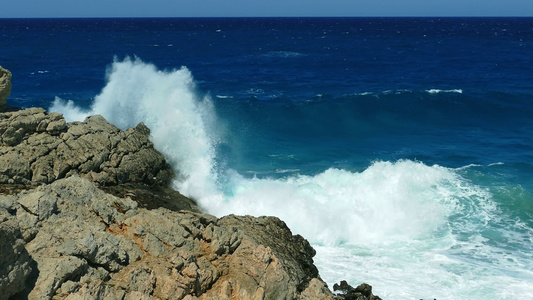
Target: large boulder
<point>5,85</point>
<point>37,147</point>
<point>88,244</point>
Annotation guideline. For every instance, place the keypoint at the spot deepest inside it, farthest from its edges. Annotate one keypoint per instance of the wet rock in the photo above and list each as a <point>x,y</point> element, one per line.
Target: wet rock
<point>348,292</point>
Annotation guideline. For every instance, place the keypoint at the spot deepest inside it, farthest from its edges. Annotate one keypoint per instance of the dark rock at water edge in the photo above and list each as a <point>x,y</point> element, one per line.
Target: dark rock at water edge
<point>348,292</point>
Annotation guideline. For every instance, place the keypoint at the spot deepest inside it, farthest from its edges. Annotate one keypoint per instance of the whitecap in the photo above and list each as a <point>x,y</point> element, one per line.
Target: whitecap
<point>437,91</point>
<point>224,97</point>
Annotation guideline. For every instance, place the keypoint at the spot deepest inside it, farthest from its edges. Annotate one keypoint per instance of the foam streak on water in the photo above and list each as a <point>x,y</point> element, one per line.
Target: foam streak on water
<point>409,229</point>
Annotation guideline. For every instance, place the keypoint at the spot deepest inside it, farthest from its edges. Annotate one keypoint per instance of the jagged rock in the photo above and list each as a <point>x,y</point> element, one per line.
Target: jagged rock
<point>68,239</point>
<point>348,292</point>
<point>88,244</point>
<point>62,237</point>
<point>37,147</point>
<point>5,85</point>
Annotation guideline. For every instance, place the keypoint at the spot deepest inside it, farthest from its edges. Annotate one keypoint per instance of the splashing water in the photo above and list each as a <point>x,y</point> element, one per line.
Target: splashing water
<point>409,229</point>
<point>165,101</point>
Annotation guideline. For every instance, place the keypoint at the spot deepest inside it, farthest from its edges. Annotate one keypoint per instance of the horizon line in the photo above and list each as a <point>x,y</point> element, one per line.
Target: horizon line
<point>259,17</point>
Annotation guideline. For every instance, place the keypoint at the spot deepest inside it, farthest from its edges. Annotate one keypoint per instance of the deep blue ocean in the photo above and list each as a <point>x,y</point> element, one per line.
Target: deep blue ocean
<point>401,148</point>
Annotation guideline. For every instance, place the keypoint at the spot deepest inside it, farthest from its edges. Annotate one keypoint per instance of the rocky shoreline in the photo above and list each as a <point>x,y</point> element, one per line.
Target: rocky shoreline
<point>86,213</point>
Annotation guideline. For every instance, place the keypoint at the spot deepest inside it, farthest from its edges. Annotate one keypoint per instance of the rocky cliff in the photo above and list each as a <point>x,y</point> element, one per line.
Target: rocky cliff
<point>85,213</point>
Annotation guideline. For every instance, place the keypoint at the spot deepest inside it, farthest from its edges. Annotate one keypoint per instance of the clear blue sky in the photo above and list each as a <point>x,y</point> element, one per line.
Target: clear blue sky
<point>263,8</point>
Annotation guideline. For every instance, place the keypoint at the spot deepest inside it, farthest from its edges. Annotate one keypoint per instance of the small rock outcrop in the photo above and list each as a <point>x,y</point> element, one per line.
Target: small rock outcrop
<point>348,292</point>
<point>37,148</point>
<point>87,244</point>
<point>5,85</point>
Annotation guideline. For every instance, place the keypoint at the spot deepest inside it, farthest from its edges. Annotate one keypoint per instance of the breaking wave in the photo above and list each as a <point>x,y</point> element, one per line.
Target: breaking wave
<point>423,225</point>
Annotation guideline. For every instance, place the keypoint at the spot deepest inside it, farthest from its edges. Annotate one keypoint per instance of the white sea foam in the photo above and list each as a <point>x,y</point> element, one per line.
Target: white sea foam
<point>388,201</point>
<point>282,171</point>
<point>224,97</point>
<point>40,72</point>
<point>469,166</point>
<point>411,230</point>
<point>70,111</point>
<point>437,91</point>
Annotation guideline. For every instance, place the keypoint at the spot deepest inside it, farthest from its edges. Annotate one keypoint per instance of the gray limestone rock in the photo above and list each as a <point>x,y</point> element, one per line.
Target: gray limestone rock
<point>37,147</point>
<point>88,244</point>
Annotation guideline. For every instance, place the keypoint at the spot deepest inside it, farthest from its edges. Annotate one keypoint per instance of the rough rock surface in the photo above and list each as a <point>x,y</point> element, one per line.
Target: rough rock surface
<point>37,147</point>
<point>85,213</point>
<point>5,85</point>
<point>87,244</point>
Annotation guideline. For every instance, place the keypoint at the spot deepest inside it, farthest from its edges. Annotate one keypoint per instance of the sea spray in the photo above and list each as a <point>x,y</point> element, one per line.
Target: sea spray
<point>167,103</point>
<point>388,201</point>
